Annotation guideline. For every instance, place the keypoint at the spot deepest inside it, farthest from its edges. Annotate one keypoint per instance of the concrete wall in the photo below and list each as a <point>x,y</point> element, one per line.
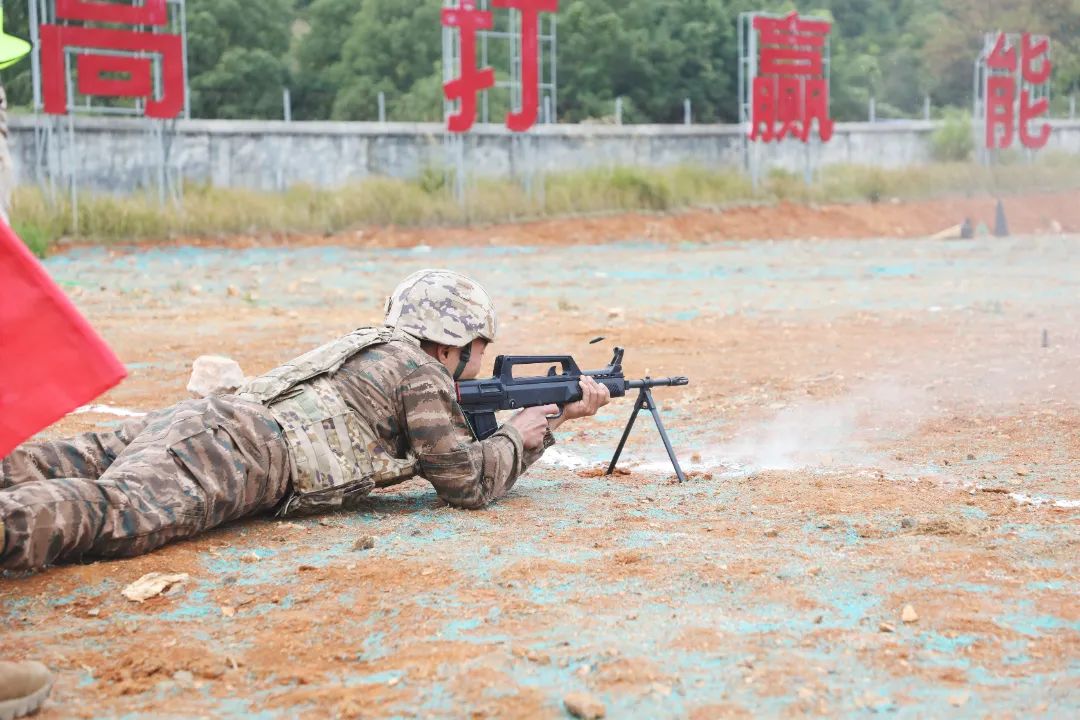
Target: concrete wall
<point>122,155</point>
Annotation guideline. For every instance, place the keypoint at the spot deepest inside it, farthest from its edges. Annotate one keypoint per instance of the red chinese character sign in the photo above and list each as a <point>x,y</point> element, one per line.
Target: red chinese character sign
<point>1014,90</point>
<point>471,81</point>
<point>117,50</point>
<point>785,72</point>
<point>470,25</point>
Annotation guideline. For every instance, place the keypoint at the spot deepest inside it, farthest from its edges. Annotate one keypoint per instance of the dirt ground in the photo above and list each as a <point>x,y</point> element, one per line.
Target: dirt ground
<point>871,423</point>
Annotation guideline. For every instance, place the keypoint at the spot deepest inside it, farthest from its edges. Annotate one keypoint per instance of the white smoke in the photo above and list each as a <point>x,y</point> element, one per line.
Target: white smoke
<point>836,431</point>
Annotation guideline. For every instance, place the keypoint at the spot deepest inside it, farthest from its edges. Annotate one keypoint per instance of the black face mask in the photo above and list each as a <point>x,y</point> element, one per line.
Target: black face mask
<point>466,356</point>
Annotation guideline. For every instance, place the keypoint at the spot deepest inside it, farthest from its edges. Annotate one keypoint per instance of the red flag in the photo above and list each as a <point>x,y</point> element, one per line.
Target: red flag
<point>51,360</point>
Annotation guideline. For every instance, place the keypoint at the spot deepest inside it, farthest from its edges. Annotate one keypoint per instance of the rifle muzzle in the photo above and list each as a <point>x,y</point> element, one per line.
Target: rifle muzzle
<point>657,382</point>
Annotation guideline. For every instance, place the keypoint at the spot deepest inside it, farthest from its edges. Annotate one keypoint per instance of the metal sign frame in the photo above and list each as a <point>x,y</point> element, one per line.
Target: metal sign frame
<point>43,12</point>
<point>749,53</point>
<point>982,76</point>
<point>55,141</point>
<point>507,28</point>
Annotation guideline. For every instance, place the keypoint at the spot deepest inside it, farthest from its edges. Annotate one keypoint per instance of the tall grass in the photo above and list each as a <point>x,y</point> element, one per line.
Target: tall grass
<point>211,212</point>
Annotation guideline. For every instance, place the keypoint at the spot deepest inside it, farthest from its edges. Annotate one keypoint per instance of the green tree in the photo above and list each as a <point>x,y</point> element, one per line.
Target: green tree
<point>597,60</point>
<point>237,55</point>
<point>245,83</point>
<point>688,50</point>
<point>391,46</point>
<point>957,38</point>
<point>338,55</point>
<point>320,75</point>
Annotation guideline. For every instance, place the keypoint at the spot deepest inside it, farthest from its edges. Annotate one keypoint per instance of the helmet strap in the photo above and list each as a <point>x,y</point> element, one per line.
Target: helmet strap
<point>463,361</point>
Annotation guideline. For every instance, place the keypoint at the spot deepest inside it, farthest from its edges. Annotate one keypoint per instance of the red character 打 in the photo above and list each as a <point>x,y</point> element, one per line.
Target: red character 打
<point>464,88</point>
<point>530,10</point>
<point>469,20</point>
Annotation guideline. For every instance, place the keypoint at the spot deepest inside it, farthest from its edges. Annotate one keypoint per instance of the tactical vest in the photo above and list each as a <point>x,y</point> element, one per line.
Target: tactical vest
<point>334,455</point>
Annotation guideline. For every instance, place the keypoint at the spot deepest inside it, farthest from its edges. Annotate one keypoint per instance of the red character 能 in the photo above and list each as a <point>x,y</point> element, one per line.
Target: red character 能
<point>1035,69</point>
<point>1000,94</point>
<point>1012,75</point>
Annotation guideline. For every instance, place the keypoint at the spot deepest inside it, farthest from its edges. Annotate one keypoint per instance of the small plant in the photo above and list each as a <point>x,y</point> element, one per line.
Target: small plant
<point>432,180</point>
<point>785,185</point>
<point>36,237</point>
<point>641,188</point>
<point>954,139</point>
<point>874,185</point>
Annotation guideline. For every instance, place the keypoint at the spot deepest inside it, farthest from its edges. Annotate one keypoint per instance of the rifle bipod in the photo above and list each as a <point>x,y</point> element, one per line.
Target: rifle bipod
<point>645,400</point>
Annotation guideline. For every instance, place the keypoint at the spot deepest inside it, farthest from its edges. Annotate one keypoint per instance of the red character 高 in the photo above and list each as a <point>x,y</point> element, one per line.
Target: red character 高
<point>98,71</point>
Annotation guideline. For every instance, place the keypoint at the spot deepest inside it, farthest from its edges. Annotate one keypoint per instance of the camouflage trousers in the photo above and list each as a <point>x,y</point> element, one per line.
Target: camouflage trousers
<point>174,474</point>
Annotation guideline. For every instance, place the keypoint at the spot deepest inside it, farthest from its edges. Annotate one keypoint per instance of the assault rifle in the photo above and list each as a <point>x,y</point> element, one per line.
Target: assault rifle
<point>480,399</point>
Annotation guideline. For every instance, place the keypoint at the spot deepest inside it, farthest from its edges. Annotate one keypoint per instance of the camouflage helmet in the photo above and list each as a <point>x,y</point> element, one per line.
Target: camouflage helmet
<point>442,306</point>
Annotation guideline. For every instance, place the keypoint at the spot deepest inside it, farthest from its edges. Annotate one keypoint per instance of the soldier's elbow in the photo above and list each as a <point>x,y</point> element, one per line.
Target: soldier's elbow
<point>470,502</point>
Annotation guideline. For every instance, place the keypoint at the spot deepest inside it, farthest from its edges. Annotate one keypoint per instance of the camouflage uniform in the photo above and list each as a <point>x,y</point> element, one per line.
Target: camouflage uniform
<point>370,409</point>
<point>409,399</point>
<point>183,470</point>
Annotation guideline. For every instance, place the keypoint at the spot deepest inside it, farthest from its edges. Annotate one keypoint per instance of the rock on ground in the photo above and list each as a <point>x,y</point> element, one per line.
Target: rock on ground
<point>584,706</point>
<point>364,542</point>
<point>214,375</point>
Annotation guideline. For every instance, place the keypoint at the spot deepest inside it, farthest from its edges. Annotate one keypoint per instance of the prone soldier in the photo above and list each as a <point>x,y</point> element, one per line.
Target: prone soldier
<point>371,409</point>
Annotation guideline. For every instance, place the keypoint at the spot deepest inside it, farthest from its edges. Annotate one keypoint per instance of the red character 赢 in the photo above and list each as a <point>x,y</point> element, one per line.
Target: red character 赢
<point>764,110</point>
<point>791,89</point>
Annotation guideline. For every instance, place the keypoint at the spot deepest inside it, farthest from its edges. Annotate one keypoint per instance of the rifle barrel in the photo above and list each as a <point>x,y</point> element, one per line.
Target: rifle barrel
<point>657,382</point>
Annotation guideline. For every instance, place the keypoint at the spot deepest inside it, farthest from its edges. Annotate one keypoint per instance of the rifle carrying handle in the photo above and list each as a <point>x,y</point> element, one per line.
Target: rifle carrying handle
<point>504,364</point>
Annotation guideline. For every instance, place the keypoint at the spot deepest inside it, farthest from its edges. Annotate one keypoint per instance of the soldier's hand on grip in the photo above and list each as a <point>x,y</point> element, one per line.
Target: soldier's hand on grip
<point>532,423</point>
